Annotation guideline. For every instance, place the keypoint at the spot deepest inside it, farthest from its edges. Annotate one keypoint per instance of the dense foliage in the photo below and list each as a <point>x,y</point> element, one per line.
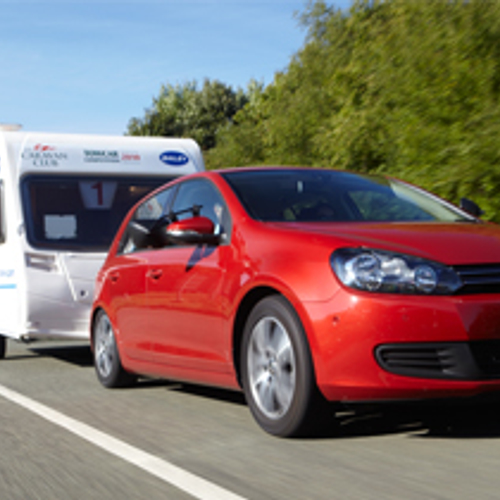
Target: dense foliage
<point>186,111</point>
<point>405,87</point>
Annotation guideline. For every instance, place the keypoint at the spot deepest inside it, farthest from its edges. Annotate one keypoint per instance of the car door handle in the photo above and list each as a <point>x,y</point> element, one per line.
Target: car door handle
<point>155,274</point>
<point>114,277</point>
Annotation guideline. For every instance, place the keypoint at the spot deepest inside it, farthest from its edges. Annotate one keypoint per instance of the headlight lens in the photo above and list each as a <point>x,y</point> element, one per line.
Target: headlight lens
<point>388,272</point>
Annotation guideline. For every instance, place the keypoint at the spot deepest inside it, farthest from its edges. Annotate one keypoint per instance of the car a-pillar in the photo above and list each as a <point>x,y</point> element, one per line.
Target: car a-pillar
<point>3,346</point>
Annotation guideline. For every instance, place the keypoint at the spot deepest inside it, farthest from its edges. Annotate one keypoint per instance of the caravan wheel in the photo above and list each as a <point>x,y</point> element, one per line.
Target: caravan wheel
<point>3,346</point>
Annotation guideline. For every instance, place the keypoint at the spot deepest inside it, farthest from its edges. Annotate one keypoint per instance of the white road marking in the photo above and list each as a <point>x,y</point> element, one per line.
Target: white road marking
<point>183,480</point>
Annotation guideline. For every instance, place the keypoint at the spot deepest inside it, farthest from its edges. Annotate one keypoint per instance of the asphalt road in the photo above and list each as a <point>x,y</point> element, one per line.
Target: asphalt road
<point>205,444</point>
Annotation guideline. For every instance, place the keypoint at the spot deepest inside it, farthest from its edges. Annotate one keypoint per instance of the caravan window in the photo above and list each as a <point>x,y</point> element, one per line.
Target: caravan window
<point>80,213</point>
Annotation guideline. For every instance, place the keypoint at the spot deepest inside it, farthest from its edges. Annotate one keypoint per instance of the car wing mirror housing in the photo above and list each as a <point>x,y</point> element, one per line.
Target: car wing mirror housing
<point>471,207</point>
<point>193,231</point>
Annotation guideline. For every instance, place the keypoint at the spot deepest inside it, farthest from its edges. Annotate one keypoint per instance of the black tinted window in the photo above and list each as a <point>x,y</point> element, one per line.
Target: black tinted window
<point>199,197</point>
<point>300,195</point>
<point>80,213</point>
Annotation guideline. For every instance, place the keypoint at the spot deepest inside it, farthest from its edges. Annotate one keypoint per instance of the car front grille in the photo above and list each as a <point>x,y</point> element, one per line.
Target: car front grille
<point>479,278</point>
<point>454,360</point>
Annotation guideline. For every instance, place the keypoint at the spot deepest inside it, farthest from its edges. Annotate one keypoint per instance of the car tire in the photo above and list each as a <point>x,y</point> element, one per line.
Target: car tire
<point>277,370</point>
<point>3,346</point>
<point>107,363</point>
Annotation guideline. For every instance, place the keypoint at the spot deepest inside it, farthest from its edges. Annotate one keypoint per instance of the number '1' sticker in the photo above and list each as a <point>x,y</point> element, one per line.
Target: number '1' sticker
<point>97,195</point>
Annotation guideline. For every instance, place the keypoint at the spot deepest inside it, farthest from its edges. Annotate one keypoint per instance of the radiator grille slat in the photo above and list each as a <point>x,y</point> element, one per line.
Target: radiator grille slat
<point>479,279</point>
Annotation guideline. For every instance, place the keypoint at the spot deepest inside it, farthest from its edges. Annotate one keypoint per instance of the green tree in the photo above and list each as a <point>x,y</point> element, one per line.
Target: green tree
<point>240,141</point>
<point>186,111</point>
<point>405,87</point>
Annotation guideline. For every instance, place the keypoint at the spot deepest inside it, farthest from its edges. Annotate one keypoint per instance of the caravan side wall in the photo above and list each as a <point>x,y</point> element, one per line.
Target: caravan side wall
<point>12,269</point>
<point>64,198</point>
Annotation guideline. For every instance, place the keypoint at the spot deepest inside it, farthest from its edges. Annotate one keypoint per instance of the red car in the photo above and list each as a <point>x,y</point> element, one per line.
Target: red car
<point>301,286</point>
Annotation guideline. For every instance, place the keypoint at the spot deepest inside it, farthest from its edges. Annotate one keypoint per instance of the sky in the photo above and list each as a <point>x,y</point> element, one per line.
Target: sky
<point>89,66</point>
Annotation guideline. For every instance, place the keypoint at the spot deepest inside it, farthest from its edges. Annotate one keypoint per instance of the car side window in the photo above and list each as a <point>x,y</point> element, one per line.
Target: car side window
<point>140,232</point>
<point>201,197</point>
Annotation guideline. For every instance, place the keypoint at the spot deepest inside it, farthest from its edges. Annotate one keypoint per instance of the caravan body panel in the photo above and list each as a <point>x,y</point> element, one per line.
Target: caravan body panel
<point>62,198</point>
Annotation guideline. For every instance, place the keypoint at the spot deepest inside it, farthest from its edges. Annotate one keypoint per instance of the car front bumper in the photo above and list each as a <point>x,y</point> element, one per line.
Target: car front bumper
<point>373,347</point>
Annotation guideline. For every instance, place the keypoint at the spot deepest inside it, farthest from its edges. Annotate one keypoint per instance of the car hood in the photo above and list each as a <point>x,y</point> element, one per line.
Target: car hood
<point>449,243</point>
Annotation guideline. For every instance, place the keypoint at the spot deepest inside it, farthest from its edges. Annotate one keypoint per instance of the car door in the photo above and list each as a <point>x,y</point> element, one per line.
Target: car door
<point>126,283</point>
<point>128,277</point>
<point>184,286</point>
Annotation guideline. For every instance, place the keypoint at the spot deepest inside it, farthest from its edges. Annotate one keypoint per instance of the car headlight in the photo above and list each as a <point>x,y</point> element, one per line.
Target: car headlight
<point>388,272</point>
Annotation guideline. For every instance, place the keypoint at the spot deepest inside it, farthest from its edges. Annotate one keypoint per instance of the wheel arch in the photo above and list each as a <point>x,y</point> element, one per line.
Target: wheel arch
<point>93,316</point>
<point>245,307</point>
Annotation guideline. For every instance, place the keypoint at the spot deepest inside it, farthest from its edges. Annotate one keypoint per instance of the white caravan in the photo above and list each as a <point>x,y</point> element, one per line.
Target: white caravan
<point>62,198</point>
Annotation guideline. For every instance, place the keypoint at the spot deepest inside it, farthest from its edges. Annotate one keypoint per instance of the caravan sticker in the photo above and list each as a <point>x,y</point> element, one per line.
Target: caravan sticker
<point>43,155</point>
<point>131,157</point>
<point>101,156</point>
<point>174,158</point>
<point>6,276</point>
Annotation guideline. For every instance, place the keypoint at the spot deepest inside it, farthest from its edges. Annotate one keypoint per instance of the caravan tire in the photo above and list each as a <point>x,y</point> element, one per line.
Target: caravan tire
<point>3,346</point>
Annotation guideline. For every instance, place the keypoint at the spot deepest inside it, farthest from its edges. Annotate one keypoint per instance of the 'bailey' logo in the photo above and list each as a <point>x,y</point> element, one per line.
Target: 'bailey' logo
<point>174,158</point>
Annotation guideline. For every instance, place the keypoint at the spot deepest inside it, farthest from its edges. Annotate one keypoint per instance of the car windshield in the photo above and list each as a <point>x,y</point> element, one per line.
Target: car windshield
<point>80,213</point>
<point>310,195</point>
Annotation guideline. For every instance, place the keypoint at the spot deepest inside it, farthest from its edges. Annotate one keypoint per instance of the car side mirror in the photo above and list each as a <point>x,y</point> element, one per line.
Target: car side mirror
<point>471,207</point>
<point>193,231</point>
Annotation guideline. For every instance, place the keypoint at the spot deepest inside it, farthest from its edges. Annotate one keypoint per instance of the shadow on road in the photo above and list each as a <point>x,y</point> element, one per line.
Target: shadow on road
<point>194,390</point>
<point>443,420</point>
<point>79,355</point>
<point>475,419</point>
<point>213,393</point>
